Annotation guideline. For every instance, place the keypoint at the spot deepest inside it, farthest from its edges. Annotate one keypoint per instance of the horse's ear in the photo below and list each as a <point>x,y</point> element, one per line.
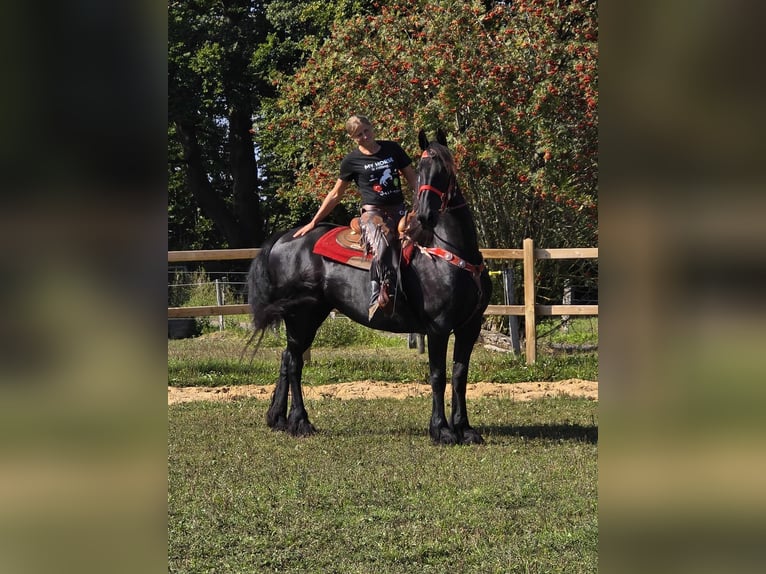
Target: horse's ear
<point>422,140</point>
<point>441,137</point>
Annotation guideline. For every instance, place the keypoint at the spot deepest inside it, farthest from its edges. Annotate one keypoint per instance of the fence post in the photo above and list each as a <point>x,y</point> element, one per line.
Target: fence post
<point>566,300</point>
<point>513,320</point>
<point>529,300</point>
<point>416,340</point>
<point>219,301</point>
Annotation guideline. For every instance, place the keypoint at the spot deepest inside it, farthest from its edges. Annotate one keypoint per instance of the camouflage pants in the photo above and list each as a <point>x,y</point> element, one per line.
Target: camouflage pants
<point>379,232</point>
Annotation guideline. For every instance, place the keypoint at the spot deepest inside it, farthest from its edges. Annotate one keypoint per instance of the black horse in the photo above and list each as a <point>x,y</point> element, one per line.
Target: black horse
<point>443,289</point>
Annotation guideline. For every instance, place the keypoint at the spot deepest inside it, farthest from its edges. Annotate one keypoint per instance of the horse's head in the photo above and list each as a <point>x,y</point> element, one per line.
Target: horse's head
<point>437,179</point>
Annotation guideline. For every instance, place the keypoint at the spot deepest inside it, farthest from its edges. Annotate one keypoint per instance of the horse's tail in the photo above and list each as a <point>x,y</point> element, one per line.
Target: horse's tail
<point>268,303</point>
<point>262,292</point>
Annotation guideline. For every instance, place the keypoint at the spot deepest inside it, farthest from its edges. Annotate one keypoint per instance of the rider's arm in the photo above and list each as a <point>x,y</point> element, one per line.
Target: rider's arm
<point>333,198</point>
<point>412,178</point>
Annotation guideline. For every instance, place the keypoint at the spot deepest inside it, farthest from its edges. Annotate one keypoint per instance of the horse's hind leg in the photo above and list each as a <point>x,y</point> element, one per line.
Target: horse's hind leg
<point>301,330</point>
<point>276,416</point>
<point>300,335</point>
<point>464,342</point>
<point>298,423</point>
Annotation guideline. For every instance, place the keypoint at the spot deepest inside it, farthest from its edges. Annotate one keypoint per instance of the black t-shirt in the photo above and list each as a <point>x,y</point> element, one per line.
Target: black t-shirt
<point>377,175</point>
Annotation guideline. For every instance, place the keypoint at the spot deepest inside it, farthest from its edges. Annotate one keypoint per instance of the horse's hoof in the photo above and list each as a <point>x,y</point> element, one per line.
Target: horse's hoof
<point>471,436</point>
<point>443,435</point>
<point>278,423</point>
<point>301,428</point>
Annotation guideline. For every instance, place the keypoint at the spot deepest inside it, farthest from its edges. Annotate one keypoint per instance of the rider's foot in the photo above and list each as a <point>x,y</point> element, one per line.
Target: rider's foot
<point>374,298</point>
<point>384,299</point>
<point>372,310</point>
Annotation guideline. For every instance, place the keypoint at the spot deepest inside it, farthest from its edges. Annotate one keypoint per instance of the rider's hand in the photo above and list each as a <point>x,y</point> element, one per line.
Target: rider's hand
<point>304,230</point>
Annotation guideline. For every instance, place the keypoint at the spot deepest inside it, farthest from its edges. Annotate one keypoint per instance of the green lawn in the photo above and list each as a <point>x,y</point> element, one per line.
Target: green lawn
<point>369,493</point>
<point>344,351</point>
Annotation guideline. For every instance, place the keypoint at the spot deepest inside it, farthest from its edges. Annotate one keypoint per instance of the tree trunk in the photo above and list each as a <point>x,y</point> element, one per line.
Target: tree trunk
<point>209,201</point>
<point>244,169</point>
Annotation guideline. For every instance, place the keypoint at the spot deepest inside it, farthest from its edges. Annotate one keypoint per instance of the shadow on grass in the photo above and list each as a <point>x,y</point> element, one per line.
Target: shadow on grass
<point>546,432</point>
<point>558,433</point>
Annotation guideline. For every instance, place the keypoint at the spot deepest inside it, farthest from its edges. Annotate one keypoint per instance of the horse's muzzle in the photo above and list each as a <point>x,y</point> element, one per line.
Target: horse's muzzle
<point>427,220</point>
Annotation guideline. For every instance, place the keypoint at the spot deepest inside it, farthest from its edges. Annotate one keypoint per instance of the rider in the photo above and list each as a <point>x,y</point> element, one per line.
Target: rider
<point>375,166</point>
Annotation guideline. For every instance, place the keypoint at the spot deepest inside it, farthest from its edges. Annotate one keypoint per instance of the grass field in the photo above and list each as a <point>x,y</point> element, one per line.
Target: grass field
<point>217,358</point>
<point>369,493</point>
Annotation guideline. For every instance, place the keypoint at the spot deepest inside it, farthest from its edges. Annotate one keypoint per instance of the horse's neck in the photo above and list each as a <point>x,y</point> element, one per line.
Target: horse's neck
<point>456,231</point>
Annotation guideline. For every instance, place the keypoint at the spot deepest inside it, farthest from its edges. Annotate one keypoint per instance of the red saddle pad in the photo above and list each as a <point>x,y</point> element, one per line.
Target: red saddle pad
<point>335,245</point>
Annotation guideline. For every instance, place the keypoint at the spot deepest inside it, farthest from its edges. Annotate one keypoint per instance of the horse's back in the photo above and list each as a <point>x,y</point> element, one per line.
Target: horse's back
<point>292,274</point>
<point>294,267</point>
<point>288,252</point>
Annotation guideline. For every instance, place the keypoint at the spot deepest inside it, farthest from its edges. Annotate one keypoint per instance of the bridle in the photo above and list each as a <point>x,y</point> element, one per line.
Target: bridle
<point>442,195</point>
<point>474,269</point>
<point>445,197</point>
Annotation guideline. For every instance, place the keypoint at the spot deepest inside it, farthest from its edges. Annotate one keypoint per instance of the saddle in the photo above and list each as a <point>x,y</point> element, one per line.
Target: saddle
<point>344,244</point>
<point>351,237</point>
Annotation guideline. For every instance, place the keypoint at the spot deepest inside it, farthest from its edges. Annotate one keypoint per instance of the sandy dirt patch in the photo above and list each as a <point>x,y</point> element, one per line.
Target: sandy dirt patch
<point>381,390</point>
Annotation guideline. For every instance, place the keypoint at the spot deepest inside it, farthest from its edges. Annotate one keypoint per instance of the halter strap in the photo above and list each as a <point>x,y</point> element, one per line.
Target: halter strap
<point>442,195</point>
<point>445,197</point>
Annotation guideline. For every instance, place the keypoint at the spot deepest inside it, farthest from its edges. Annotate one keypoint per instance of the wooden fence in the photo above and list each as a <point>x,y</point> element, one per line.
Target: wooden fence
<point>528,310</point>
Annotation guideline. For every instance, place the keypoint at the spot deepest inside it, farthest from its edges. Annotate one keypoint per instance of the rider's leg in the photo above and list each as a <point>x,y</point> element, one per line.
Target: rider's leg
<point>376,234</point>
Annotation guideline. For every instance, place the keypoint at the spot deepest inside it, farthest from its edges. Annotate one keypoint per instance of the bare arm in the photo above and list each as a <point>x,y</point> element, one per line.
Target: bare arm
<point>412,179</point>
<point>333,198</point>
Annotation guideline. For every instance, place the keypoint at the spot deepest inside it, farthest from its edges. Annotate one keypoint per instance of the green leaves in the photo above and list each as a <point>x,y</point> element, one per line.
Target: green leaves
<point>511,85</point>
<point>515,86</point>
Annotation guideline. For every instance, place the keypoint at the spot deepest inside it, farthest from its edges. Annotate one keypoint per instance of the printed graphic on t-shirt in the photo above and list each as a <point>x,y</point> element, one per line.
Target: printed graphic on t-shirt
<point>383,178</point>
<point>377,176</point>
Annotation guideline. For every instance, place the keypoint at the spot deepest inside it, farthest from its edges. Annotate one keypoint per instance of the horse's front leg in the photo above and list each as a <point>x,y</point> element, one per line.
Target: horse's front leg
<point>459,418</point>
<point>437,362</point>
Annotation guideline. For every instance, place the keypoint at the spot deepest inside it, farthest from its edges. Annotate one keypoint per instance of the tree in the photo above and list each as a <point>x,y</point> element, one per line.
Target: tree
<point>213,87</point>
<point>514,83</point>
<point>222,56</point>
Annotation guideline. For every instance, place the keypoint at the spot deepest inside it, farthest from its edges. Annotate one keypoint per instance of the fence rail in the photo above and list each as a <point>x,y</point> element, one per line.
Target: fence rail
<point>529,310</point>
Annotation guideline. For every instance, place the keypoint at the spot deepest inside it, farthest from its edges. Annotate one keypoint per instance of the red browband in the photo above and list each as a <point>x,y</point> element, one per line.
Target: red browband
<point>426,187</point>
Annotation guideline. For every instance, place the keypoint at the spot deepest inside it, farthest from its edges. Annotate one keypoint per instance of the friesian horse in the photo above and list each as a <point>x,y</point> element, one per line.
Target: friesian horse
<point>444,288</point>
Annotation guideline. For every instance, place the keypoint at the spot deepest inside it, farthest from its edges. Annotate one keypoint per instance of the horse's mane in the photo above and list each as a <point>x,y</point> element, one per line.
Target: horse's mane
<point>440,153</point>
<point>444,154</point>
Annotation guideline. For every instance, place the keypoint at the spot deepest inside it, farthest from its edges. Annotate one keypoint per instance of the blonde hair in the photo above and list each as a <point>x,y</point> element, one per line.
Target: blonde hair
<point>355,121</point>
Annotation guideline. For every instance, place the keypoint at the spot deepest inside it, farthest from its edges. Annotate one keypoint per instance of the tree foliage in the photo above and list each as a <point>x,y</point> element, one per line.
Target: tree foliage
<point>259,92</point>
<point>214,83</point>
<point>513,83</point>
<point>221,57</point>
